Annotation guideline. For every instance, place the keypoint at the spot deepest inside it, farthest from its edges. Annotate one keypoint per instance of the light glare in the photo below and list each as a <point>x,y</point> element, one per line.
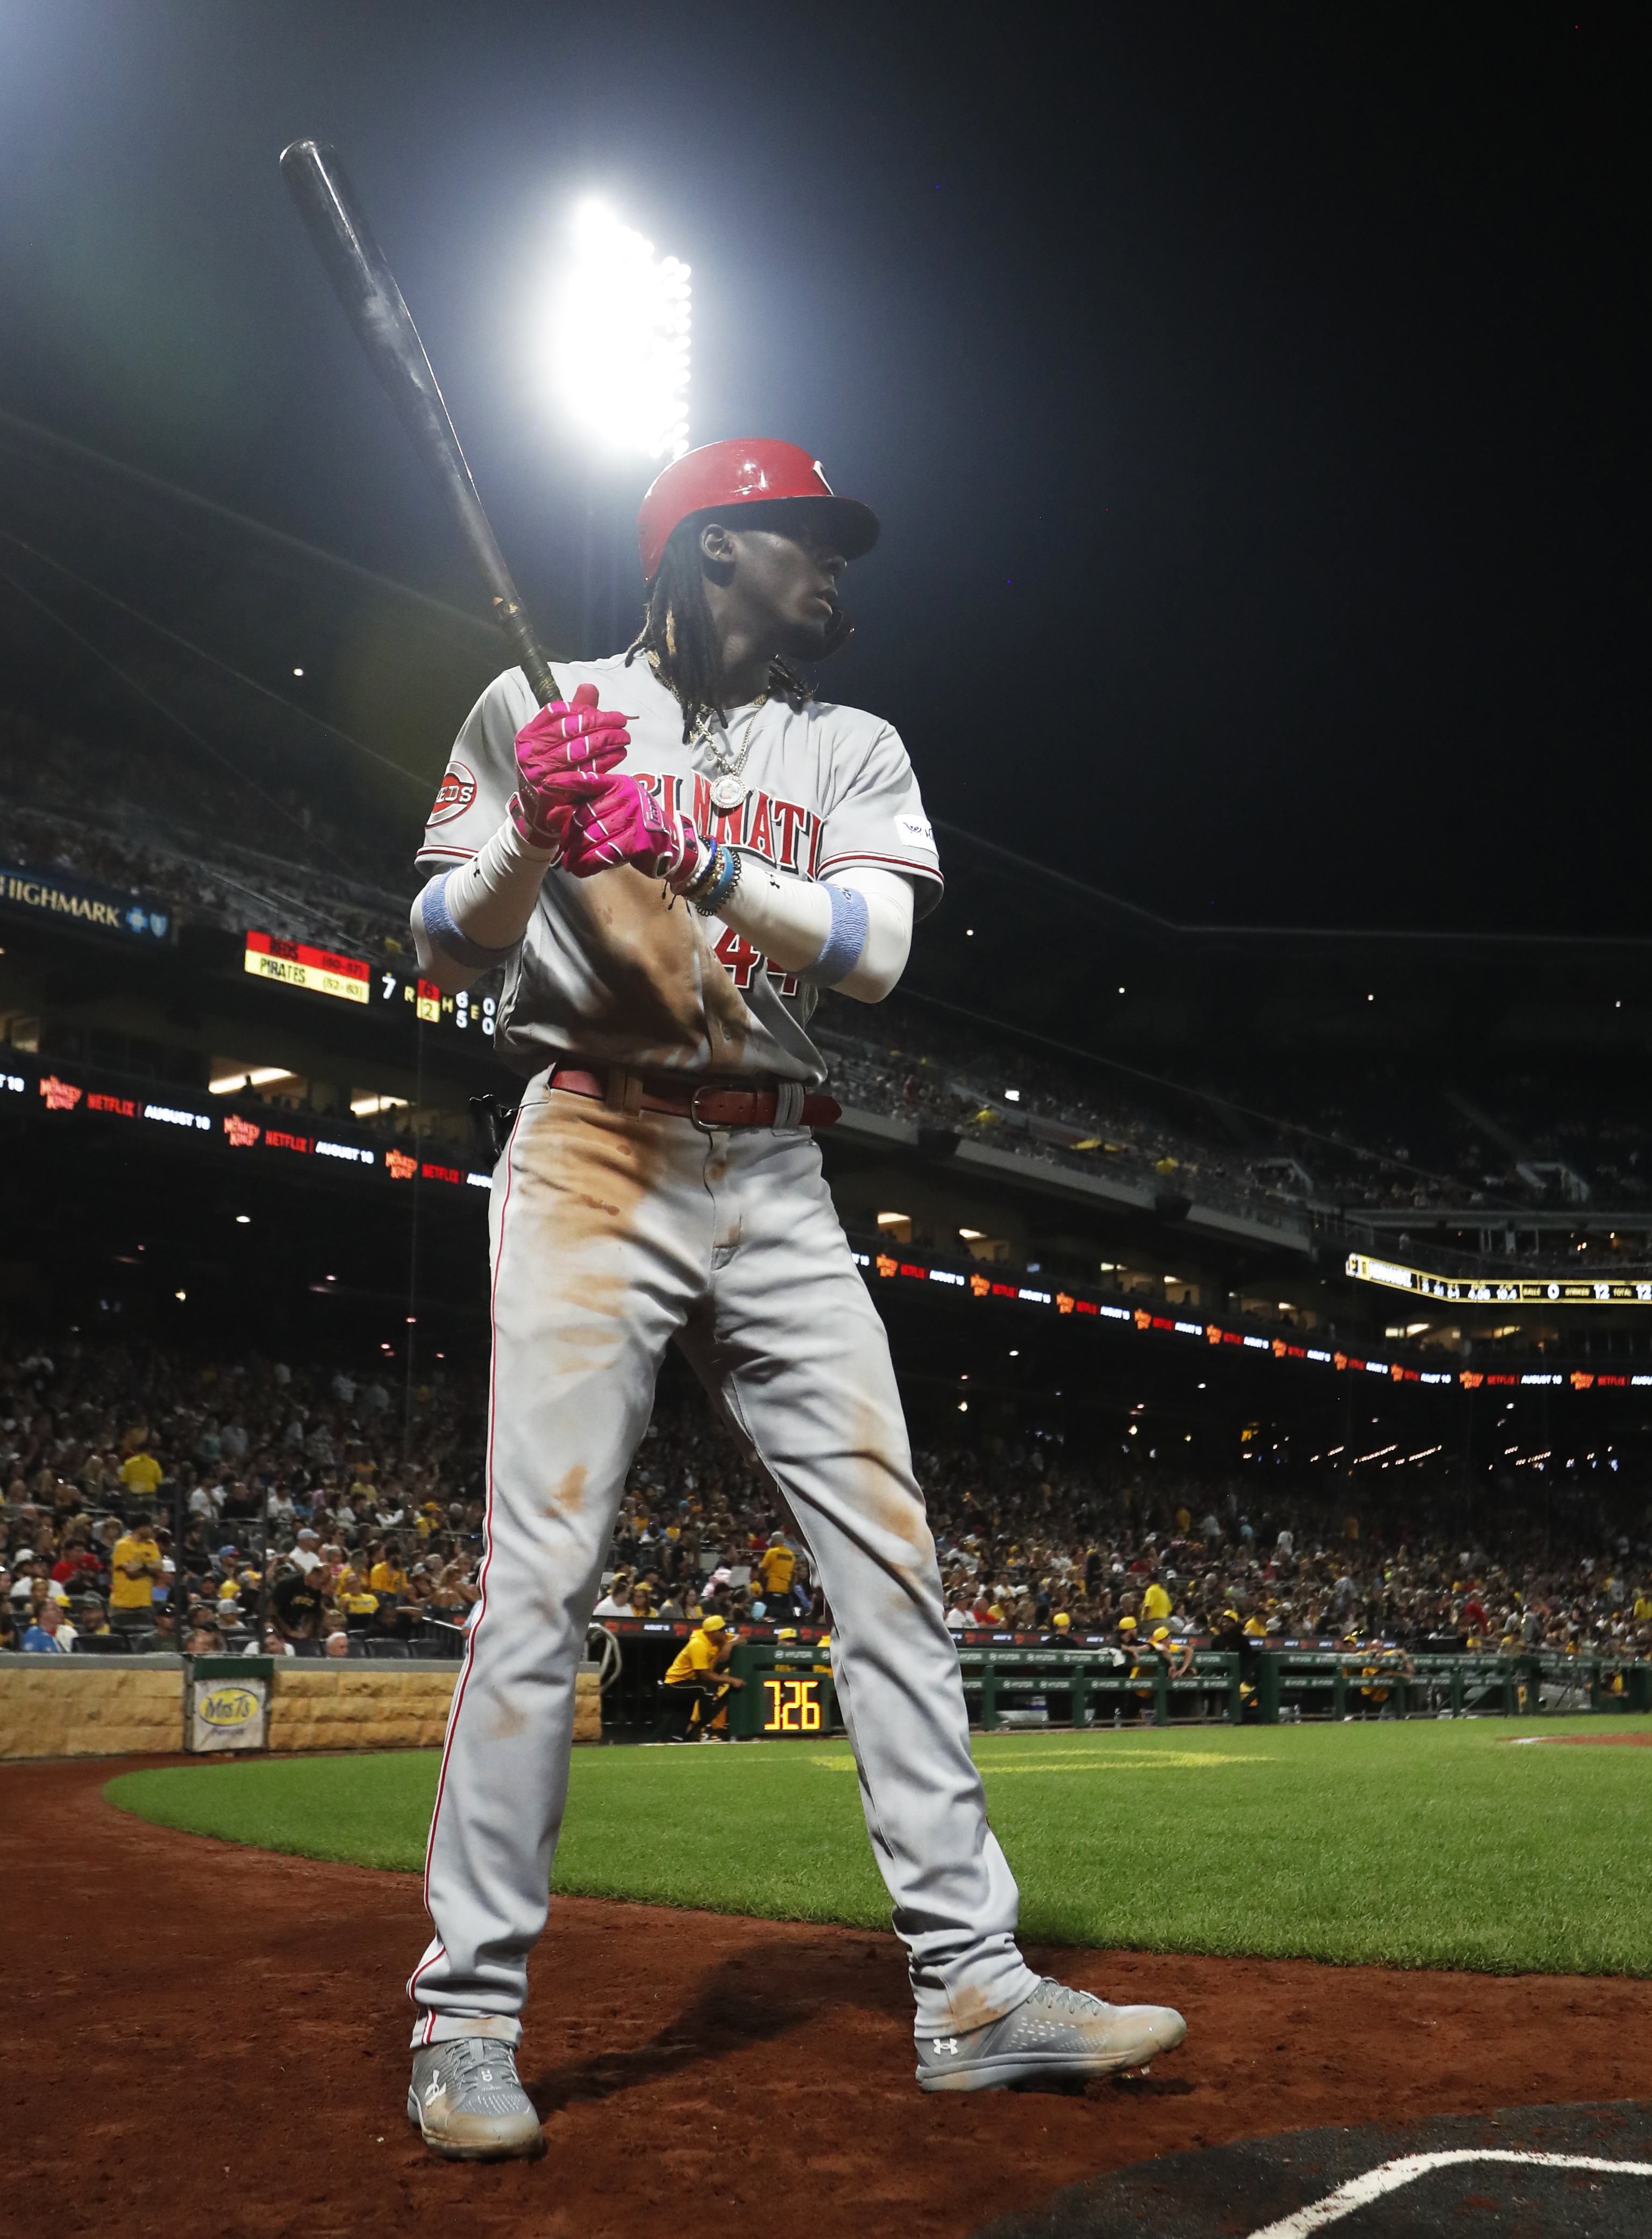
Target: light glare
<point>622,338</point>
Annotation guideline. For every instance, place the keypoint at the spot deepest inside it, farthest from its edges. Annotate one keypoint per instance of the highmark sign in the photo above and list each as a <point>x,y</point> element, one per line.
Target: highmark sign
<point>65,901</point>
<point>1455,1290</point>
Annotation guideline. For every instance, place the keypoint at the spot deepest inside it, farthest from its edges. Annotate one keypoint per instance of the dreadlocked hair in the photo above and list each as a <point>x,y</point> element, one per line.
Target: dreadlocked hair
<point>678,639</point>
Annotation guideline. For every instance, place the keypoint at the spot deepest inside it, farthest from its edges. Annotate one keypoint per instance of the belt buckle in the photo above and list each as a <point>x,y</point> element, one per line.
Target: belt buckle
<point>705,1126</point>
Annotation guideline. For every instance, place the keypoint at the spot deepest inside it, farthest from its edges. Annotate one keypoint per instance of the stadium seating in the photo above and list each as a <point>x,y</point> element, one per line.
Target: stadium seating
<point>1271,1140</point>
<point>1037,1541</point>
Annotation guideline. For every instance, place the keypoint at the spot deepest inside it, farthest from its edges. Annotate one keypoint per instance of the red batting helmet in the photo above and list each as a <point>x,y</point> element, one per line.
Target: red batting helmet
<point>749,470</point>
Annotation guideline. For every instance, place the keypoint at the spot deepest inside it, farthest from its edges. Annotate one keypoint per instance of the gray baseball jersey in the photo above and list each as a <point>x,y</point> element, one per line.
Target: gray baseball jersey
<point>607,970</point>
<point>617,1231</point>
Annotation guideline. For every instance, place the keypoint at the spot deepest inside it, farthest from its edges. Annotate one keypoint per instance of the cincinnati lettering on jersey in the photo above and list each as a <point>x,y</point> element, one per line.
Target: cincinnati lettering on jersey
<point>781,832</point>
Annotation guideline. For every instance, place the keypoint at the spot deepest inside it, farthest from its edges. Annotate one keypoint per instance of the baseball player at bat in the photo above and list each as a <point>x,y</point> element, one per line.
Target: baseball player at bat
<point>670,861</point>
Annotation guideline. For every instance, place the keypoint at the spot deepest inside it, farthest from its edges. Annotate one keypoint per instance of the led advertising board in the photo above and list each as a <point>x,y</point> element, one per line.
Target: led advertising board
<point>1513,1290</point>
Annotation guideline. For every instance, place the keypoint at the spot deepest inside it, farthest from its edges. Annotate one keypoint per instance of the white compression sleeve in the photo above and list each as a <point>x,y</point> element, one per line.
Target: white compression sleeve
<point>853,932</point>
<point>466,920</point>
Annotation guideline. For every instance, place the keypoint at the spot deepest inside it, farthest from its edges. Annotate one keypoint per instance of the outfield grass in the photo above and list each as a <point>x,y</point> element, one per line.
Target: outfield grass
<point>1438,1844</point>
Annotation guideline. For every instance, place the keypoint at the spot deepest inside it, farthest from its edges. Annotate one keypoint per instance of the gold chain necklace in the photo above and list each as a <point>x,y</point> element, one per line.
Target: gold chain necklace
<point>727,791</point>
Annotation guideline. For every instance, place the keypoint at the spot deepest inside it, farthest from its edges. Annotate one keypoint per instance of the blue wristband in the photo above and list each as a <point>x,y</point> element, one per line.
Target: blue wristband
<point>446,936</point>
<point>845,940</point>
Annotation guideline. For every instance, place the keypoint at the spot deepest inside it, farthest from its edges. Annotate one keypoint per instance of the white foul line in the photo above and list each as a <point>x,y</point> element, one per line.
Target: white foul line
<point>1392,2175</point>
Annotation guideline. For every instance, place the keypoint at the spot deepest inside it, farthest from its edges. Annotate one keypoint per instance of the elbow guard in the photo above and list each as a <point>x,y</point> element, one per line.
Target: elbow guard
<point>844,942</point>
<point>432,918</point>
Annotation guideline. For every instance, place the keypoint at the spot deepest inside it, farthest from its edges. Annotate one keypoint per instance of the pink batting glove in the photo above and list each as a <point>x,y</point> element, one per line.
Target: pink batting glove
<point>563,756</point>
<point>623,823</point>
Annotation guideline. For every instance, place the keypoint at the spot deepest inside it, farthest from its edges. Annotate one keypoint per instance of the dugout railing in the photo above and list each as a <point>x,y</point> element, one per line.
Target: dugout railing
<point>1080,1688</point>
<point>1009,1682</point>
<point>1318,1682</point>
<point>1090,1687</point>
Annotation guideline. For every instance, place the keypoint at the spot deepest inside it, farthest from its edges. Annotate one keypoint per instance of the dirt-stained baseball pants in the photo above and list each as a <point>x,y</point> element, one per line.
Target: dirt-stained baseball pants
<point>613,1233</point>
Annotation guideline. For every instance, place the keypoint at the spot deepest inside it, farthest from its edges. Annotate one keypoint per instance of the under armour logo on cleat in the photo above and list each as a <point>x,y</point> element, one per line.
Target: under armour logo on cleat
<point>945,2043</point>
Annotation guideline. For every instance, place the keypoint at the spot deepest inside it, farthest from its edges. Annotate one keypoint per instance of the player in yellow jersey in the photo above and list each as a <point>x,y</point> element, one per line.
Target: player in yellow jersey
<point>697,1672</point>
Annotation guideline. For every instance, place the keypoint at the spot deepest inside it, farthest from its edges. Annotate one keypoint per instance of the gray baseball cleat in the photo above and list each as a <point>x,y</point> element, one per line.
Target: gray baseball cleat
<point>1057,2032</point>
<point>468,2104</point>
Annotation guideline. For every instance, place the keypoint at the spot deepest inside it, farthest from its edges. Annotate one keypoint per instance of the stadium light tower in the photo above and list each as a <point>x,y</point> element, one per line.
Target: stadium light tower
<point>622,339</point>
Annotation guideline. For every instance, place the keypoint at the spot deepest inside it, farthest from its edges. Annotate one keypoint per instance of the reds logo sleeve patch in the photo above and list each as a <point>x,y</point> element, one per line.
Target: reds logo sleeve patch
<point>454,795</point>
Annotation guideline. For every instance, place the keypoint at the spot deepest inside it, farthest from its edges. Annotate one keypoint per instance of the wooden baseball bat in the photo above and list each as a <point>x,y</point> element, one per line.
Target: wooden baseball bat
<point>374,305</point>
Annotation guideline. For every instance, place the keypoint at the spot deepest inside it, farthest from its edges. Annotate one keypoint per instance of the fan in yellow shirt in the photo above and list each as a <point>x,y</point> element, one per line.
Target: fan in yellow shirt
<point>776,1566</point>
<point>141,1473</point>
<point>1155,1604</point>
<point>134,1567</point>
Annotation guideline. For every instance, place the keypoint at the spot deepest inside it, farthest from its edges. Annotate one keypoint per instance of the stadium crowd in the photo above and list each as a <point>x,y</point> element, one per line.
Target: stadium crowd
<point>197,838</point>
<point>172,1502</point>
<point>1375,1148</point>
<point>318,1516</point>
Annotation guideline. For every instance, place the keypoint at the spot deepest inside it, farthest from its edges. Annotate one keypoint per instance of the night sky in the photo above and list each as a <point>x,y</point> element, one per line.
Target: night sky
<point>1252,396</point>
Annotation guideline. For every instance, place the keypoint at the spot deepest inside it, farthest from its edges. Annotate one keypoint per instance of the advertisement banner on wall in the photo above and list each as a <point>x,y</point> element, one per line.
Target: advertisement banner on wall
<point>228,1714</point>
<point>65,899</point>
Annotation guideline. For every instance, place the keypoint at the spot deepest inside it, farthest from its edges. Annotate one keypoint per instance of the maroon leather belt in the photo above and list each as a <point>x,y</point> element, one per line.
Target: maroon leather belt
<point>706,1106</point>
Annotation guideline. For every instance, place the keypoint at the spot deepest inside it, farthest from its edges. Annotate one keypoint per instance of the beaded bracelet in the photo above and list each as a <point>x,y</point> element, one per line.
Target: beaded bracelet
<point>726,865</point>
<point>704,880</point>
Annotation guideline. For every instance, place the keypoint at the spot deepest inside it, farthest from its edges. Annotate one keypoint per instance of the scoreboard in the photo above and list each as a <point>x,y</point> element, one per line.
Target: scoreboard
<point>296,964</point>
<point>789,1705</point>
<point>352,979</point>
<point>1499,1291</point>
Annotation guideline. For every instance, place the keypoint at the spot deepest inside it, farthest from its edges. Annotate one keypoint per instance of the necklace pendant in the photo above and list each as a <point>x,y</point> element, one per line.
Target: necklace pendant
<point>727,795</point>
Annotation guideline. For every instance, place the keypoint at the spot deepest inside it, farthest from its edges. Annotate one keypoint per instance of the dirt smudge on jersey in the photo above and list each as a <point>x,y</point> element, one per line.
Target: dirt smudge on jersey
<point>729,1023</point>
<point>506,1721</point>
<point>666,998</point>
<point>887,1499</point>
<point>600,1164</point>
<point>588,1174</point>
<point>568,1497</point>
<point>605,1295</point>
<point>652,960</point>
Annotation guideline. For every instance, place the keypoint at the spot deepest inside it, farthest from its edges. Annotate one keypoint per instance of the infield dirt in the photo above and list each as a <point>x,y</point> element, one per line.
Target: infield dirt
<point>210,2040</point>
